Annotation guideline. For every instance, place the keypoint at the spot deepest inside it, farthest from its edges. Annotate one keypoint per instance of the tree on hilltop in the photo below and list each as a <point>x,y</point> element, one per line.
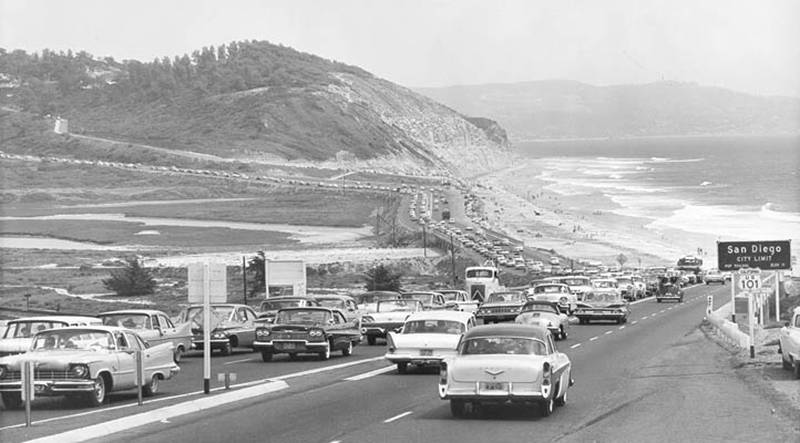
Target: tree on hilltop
<point>622,259</point>
<point>132,280</point>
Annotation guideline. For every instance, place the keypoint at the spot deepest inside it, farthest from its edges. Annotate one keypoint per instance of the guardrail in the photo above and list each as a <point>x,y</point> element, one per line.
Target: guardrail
<point>729,330</point>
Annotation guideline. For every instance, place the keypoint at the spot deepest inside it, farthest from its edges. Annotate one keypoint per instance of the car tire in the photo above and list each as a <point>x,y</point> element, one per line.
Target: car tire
<point>658,300</point>
<point>150,389</point>
<point>12,400</point>
<point>228,349</point>
<point>797,369</point>
<point>326,354</point>
<point>177,356</point>
<point>563,333</point>
<point>458,408</point>
<point>348,350</point>
<point>371,340</point>
<point>562,400</point>
<point>266,355</point>
<point>402,367</point>
<point>98,394</point>
<point>293,356</point>
<point>546,407</point>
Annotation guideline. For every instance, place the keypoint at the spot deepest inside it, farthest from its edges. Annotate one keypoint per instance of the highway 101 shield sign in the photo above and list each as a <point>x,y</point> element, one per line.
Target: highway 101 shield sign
<point>764,255</point>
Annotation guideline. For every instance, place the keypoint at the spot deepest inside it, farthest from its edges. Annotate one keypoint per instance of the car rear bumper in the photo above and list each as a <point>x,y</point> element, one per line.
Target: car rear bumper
<point>505,316</point>
<point>51,387</point>
<point>527,393</point>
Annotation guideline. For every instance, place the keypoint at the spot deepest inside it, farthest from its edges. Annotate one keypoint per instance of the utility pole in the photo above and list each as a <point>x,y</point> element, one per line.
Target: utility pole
<point>244,279</point>
<point>394,220</point>
<point>377,222</point>
<point>453,259</point>
<point>424,242</point>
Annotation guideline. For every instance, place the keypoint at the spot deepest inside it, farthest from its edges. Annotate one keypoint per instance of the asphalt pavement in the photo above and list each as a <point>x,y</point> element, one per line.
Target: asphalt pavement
<point>656,378</point>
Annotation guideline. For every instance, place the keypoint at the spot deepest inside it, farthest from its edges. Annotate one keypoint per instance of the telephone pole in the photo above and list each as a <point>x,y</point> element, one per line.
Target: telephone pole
<point>453,259</point>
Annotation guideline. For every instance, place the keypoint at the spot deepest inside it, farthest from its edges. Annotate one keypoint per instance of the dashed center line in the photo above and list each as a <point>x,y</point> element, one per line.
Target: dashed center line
<point>239,361</point>
<point>575,346</point>
<point>397,417</point>
<point>609,332</point>
<point>370,374</point>
<point>621,328</point>
<point>634,322</point>
<point>593,338</point>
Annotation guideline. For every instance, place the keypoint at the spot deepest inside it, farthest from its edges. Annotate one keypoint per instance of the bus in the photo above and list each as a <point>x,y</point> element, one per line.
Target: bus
<point>690,263</point>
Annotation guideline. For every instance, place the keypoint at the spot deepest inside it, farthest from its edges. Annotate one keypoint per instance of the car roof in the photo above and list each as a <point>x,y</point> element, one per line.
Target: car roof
<point>288,297</point>
<point>220,305</point>
<point>441,315</point>
<point>134,311</point>
<point>96,328</point>
<point>379,292</point>
<point>331,296</point>
<point>507,330</point>
<point>309,308</point>
<point>66,318</point>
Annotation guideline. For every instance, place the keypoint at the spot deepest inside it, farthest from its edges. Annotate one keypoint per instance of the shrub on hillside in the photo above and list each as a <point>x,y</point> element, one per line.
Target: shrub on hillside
<point>131,280</point>
<point>381,278</point>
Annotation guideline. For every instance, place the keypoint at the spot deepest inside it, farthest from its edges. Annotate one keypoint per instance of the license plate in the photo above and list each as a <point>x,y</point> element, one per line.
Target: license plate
<point>426,352</point>
<point>287,345</point>
<point>493,386</point>
<point>38,388</point>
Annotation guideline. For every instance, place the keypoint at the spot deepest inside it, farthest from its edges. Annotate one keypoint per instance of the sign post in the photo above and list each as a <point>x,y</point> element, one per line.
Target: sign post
<point>207,284</point>
<point>709,304</point>
<point>206,328</point>
<point>27,389</point>
<point>751,321</point>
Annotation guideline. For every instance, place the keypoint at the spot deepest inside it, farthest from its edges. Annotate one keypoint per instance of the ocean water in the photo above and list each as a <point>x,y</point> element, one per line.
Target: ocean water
<point>731,188</point>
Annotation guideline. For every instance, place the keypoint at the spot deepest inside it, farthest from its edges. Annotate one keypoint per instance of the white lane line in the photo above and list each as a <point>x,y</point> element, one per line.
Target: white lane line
<point>156,415</point>
<point>621,328</point>
<point>326,368</point>
<point>594,338</point>
<point>370,374</point>
<point>239,361</point>
<point>575,346</point>
<point>634,322</point>
<point>645,317</point>
<point>662,311</point>
<point>188,394</point>
<point>397,417</point>
<point>609,332</point>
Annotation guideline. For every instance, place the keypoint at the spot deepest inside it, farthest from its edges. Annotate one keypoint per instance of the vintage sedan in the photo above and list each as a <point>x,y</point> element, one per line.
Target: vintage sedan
<point>311,330</point>
<point>507,363</point>
<point>558,293</point>
<point>232,326</point>
<point>578,284</point>
<point>369,300</point>
<point>389,316</point>
<point>603,306</point>
<point>430,300</point>
<point>501,306</point>
<point>88,362</point>
<point>154,327</point>
<point>344,303</point>
<point>427,337</point>
<point>19,332</point>
<point>714,276</point>
<point>545,314</point>
<point>628,289</point>
<point>459,300</point>
<point>269,307</point>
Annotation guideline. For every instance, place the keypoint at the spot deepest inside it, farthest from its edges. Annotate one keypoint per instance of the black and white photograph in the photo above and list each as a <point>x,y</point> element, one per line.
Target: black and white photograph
<point>399,221</point>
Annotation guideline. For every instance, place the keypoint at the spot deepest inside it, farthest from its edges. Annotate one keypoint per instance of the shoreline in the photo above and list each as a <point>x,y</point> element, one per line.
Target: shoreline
<point>645,137</point>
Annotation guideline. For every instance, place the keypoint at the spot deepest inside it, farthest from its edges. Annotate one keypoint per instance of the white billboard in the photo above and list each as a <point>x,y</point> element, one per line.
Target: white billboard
<point>217,284</point>
<point>286,273</point>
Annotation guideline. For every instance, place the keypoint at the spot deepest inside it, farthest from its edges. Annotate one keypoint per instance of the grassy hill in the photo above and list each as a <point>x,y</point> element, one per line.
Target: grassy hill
<point>248,100</point>
<point>565,109</point>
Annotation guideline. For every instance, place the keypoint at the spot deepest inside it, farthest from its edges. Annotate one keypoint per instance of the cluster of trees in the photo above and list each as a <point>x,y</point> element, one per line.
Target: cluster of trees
<point>49,76</point>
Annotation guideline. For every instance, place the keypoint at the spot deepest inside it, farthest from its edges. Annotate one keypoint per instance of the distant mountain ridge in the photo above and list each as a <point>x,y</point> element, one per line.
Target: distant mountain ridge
<point>570,109</point>
<point>252,100</point>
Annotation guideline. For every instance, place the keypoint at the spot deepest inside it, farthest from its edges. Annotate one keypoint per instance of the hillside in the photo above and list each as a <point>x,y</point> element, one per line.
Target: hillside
<point>252,101</point>
<point>566,109</point>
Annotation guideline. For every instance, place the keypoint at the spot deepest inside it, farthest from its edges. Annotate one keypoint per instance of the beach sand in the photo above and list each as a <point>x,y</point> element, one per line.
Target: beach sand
<point>520,205</point>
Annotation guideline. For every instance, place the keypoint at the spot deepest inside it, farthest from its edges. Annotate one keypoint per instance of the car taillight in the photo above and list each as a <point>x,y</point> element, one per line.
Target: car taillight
<point>546,373</point>
<point>443,373</point>
<point>390,343</point>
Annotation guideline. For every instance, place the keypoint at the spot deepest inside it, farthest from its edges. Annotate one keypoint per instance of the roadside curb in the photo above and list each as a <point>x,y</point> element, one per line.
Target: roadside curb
<point>729,330</point>
<point>157,415</point>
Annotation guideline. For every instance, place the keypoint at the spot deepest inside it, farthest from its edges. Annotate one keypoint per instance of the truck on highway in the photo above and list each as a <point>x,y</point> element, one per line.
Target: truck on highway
<point>789,344</point>
<point>482,281</point>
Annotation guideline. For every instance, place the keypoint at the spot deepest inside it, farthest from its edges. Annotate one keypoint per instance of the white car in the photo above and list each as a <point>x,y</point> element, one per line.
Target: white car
<point>555,292</point>
<point>459,300</point>
<point>19,332</point>
<point>506,363</point>
<point>154,327</point>
<point>427,337</point>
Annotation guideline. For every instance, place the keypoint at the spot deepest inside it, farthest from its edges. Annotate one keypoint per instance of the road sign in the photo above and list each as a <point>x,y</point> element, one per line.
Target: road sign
<point>749,281</point>
<point>766,255</point>
<point>218,282</point>
<point>709,304</point>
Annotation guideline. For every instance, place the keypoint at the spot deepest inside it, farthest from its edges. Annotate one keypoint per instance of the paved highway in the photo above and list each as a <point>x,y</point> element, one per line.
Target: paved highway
<point>655,378</point>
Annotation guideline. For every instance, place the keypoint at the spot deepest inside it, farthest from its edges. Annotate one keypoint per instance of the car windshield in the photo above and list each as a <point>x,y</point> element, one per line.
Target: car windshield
<point>603,284</point>
<point>331,303</point>
<point>600,298</point>
<point>397,305</point>
<point>450,296</point>
<point>299,316</point>
<point>424,298</point>
<point>503,345</point>
<point>433,327</point>
<point>624,281</point>
<point>547,289</point>
<point>195,314</point>
<point>73,339</point>
<point>374,297</point>
<point>26,329</point>
<point>576,281</point>
<point>538,307</point>
<point>505,296</point>
<point>274,305</point>
<point>130,321</point>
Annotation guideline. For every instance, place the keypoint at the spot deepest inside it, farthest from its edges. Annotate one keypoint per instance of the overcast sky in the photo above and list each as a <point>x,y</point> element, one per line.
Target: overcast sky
<point>747,45</point>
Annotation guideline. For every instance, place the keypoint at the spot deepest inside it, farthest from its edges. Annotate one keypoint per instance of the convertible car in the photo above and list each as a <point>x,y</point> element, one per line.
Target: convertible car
<point>459,300</point>
<point>86,361</point>
<point>232,326</point>
<point>369,300</point>
<point>544,314</point>
<point>269,307</point>
<point>603,306</point>
<point>154,327</point>
<point>508,363</point>
<point>18,334</point>
<point>430,300</point>
<point>389,316</point>
<point>427,337</point>
<point>311,330</point>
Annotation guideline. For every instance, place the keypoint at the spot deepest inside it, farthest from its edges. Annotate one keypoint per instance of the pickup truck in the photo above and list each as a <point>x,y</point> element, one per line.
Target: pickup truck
<point>789,344</point>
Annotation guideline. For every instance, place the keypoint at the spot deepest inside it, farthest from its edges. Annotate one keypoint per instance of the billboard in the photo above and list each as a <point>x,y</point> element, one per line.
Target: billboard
<point>764,255</point>
<point>217,284</point>
<point>286,273</point>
